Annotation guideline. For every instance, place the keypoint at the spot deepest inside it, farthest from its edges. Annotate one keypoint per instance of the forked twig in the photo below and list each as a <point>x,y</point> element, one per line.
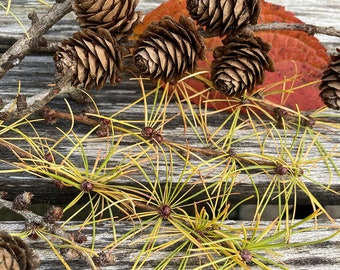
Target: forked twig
<point>24,45</point>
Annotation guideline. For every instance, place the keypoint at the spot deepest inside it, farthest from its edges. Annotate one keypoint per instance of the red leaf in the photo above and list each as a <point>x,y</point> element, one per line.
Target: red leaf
<point>294,53</point>
<point>298,58</point>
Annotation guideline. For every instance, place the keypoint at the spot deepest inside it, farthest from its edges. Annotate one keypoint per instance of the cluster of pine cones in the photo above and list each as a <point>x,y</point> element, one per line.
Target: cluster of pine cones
<point>168,49</point>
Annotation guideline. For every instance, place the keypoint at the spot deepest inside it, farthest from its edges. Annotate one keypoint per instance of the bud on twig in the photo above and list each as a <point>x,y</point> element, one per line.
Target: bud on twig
<point>53,214</point>
<point>22,201</point>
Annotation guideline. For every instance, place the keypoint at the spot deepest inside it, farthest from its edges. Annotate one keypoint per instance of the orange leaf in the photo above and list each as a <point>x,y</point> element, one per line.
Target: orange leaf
<point>298,58</point>
<point>173,8</point>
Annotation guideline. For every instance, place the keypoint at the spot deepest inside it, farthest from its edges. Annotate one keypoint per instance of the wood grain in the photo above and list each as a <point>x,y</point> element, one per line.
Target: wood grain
<point>314,257</point>
<point>323,13</point>
<point>36,71</point>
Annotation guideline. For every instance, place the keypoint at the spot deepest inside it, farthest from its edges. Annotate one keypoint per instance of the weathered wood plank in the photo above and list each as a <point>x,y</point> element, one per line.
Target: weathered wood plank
<point>318,256</point>
<point>311,11</point>
<point>316,172</point>
<point>10,29</point>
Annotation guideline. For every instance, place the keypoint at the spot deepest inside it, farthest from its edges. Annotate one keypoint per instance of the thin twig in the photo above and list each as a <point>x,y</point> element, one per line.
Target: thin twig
<point>26,214</point>
<point>18,151</point>
<point>217,153</point>
<point>51,115</point>
<point>310,29</point>
<point>31,217</point>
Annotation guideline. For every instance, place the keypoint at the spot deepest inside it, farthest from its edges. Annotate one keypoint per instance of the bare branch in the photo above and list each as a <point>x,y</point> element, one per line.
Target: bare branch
<point>310,29</point>
<point>38,101</point>
<point>22,47</point>
<point>31,217</point>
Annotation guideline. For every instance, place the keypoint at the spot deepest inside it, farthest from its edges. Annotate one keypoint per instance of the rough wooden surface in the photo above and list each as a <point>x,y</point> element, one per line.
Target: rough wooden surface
<point>323,13</point>
<point>319,256</point>
<point>36,73</point>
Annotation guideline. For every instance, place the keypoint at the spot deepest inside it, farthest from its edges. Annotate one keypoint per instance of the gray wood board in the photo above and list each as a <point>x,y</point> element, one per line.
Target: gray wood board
<point>318,256</point>
<point>323,13</point>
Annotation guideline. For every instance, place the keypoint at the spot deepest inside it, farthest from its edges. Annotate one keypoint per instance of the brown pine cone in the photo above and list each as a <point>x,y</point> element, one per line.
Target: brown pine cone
<point>118,16</point>
<point>15,254</point>
<point>240,64</point>
<point>167,49</point>
<point>330,85</point>
<point>224,17</point>
<point>91,58</point>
